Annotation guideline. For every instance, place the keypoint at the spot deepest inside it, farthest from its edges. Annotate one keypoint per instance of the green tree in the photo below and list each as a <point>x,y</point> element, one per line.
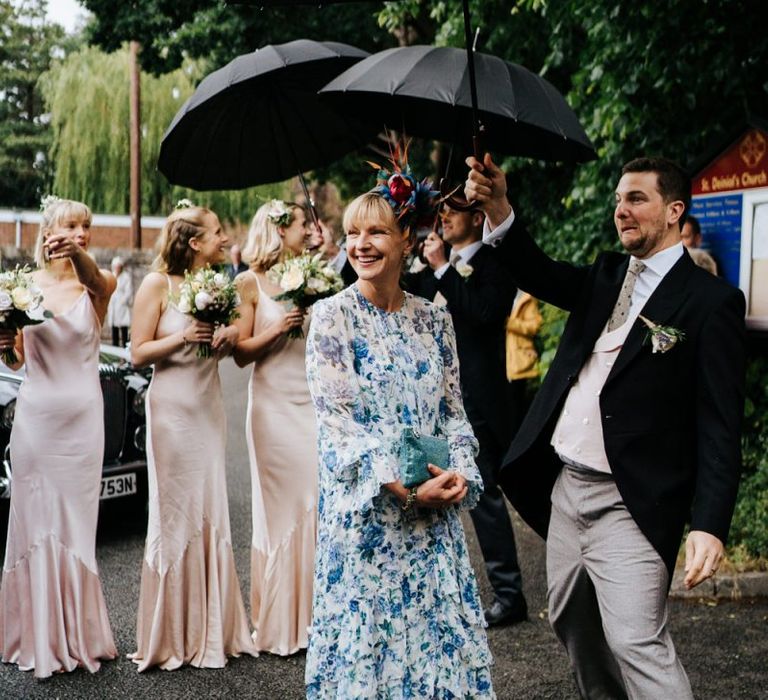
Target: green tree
<point>642,78</point>
<point>171,31</point>
<point>87,95</point>
<point>27,47</point>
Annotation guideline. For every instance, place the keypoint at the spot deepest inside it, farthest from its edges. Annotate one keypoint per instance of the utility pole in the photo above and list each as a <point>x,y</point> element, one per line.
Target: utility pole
<point>135,126</point>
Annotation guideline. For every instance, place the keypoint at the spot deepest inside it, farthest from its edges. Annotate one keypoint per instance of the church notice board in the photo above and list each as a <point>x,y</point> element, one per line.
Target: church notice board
<point>730,200</point>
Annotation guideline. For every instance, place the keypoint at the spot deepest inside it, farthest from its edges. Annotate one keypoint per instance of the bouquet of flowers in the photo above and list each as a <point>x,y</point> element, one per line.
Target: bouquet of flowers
<point>208,296</point>
<point>304,280</point>
<point>20,304</point>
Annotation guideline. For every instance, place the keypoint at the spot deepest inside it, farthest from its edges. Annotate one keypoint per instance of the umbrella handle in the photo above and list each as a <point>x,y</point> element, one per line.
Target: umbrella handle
<point>449,196</point>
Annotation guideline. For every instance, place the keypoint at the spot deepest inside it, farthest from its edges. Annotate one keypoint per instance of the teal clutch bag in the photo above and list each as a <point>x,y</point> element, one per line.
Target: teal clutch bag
<point>416,451</point>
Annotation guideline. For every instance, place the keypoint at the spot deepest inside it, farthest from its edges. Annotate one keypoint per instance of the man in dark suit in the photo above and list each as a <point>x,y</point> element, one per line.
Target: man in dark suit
<point>636,427</point>
<point>479,295</point>
<point>236,266</point>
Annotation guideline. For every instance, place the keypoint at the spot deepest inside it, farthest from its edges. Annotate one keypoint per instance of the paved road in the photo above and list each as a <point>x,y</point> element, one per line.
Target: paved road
<point>724,647</point>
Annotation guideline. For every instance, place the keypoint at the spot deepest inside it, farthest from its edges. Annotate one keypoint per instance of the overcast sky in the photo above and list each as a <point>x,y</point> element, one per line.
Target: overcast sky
<point>65,12</point>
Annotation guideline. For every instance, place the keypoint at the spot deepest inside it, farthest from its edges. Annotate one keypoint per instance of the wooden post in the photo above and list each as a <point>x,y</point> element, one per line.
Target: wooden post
<point>135,126</point>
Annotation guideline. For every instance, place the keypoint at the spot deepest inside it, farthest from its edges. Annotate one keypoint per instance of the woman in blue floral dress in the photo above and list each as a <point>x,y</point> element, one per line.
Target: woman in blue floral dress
<point>396,609</point>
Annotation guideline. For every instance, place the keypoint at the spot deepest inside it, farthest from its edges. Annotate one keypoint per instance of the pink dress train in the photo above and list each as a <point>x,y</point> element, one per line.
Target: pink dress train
<point>53,617</point>
<point>282,445</point>
<point>190,607</point>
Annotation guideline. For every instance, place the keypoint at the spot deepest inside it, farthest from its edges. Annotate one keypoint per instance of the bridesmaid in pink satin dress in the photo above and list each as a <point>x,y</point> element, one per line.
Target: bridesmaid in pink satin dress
<point>190,607</point>
<point>281,436</point>
<point>53,617</point>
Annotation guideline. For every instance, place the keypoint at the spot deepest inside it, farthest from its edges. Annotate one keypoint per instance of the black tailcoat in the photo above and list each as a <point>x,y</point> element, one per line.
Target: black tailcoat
<point>671,421</point>
<point>479,306</point>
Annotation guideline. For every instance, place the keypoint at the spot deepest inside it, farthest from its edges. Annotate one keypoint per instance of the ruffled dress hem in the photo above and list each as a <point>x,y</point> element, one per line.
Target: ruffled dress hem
<point>193,613</point>
<point>53,617</point>
<point>281,589</point>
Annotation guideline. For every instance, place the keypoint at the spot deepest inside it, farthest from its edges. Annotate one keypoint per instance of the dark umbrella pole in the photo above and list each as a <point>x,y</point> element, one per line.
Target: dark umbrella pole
<point>449,195</point>
<point>310,203</point>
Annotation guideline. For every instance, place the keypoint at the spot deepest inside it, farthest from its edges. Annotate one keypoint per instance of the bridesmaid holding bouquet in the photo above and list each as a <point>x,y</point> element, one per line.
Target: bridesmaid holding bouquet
<point>53,617</point>
<point>190,607</point>
<point>281,435</point>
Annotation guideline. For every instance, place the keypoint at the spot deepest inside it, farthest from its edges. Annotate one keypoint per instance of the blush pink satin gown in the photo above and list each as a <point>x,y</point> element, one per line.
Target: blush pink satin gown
<point>282,445</point>
<point>53,616</point>
<point>190,607</point>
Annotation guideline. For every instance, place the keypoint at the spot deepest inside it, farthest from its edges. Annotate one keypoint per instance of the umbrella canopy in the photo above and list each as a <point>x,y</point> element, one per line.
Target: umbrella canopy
<point>259,119</point>
<point>425,91</point>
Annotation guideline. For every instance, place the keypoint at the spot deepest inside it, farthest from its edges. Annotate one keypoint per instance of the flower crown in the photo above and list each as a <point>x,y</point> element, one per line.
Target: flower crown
<point>414,202</point>
<point>278,213</point>
<point>184,204</point>
<point>48,200</point>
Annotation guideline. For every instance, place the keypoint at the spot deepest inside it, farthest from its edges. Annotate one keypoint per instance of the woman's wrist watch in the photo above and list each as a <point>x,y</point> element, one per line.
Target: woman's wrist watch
<point>410,499</point>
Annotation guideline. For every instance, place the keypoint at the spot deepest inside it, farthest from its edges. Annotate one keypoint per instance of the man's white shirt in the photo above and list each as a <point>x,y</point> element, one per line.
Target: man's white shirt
<point>459,256</point>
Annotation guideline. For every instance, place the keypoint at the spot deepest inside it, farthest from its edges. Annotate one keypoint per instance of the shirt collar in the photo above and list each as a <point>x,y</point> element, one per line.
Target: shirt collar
<point>468,252</point>
<point>663,261</point>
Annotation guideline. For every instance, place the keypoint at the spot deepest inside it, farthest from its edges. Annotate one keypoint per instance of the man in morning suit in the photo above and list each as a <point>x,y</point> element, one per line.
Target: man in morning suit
<point>479,295</point>
<point>635,428</point>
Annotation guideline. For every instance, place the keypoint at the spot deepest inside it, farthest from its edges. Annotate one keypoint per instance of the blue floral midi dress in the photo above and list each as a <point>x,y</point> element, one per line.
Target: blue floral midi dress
<point>396,610</point>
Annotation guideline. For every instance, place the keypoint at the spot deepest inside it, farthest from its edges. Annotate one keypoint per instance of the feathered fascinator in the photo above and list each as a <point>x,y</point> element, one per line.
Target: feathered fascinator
<point>414,202</point>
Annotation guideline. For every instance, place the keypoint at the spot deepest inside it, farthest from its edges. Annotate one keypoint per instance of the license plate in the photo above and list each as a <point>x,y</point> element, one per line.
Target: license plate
<point>117,486</point>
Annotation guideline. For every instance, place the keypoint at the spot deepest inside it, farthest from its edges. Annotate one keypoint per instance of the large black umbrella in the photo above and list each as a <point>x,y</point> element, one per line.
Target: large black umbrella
<point>426,91</point>
<point>468,46</point>
<point>259,119</point>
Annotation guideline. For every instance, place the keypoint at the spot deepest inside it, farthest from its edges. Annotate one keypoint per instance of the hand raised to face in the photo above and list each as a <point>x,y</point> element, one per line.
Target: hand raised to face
<point>434,251</point>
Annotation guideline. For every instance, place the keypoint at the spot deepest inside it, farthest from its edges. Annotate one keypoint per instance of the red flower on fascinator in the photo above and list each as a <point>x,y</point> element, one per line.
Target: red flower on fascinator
<point>400,188</point>
<point>414,202</point>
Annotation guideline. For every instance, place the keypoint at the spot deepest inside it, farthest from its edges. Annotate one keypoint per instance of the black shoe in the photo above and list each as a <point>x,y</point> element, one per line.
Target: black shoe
<point>499,614</point>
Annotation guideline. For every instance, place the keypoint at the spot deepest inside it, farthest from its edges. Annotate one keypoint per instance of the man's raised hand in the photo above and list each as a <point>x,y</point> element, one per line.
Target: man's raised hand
<point>487,185</point>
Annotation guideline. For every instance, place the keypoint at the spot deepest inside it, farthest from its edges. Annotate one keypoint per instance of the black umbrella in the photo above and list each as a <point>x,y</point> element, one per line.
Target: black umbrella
<point>426,91</point>
<point>468,46</point>
<point>259,119</point>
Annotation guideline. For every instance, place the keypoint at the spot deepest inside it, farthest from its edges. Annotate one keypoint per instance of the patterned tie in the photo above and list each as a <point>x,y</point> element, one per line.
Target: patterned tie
<point>619,315</point>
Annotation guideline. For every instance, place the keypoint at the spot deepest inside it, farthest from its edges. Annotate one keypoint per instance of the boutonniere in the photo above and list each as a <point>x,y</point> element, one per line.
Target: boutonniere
<point>464,269</point>
<point>663,338</point>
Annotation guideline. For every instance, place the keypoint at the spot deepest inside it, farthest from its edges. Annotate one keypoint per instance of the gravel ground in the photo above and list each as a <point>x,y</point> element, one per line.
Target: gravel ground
<point>724,647</point>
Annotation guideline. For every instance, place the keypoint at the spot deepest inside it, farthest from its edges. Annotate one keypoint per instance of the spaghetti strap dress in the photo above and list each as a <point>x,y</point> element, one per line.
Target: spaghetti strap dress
<point>190,606</point>
<point>53,616</point>
<point>282,445</point>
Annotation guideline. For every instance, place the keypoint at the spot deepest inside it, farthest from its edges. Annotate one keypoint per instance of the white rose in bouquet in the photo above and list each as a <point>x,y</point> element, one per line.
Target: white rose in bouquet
<point>184,306</point>
<point>20,304</point>
<point>22,298</point>
<point>318,285</point>
<point>220,280</point>
<point>292,279</point>
<point>203,300</point>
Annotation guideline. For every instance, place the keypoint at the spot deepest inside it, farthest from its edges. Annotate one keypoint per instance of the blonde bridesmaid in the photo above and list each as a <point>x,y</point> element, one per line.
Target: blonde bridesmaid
<point>190,607</point>
<point>281,436</point>
<point>53,617</point>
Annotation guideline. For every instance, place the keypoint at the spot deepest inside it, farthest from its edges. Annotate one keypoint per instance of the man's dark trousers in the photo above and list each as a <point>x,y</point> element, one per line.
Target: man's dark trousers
<point>491,520</point>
